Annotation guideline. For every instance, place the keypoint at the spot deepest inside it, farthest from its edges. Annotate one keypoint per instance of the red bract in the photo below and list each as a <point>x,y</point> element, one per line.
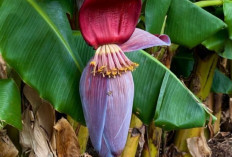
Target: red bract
<point>106,86</point>
<point>108,21</point>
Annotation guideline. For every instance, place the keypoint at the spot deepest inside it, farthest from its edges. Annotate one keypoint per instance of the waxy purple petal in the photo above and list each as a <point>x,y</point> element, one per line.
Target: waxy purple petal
<point>105,151</point>
<point>93,96</point>
<point>141,39</point>
<point>107,102</point>
<point>118,113</point>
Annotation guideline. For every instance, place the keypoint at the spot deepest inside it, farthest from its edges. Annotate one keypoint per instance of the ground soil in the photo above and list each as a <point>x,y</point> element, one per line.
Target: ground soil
<point>221,145</point>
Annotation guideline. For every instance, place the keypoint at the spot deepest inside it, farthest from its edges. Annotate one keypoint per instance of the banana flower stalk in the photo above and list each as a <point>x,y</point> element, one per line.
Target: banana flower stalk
<point>106,85</point>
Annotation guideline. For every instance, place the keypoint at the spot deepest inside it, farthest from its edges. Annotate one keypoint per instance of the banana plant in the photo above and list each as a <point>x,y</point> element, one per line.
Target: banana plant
<point>37,41</point>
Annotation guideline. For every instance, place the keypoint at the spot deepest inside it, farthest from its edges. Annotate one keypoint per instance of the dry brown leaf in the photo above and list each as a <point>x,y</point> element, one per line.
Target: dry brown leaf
<point>66,140</point>
<point>198,146</point>
<point>32,154</point>
<point>34,138</point>
<point>45,114</point>
<point>33,97</point>
<point>37,135</point>
<point>7,148</point>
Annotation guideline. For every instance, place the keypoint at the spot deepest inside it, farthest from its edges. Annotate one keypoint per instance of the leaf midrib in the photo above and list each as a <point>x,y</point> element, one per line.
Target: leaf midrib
<point>54,28</point>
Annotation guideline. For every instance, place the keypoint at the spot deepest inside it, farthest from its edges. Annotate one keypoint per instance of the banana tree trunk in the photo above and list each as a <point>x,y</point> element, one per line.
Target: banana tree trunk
<point>134,137</point>
<point>200,85</point>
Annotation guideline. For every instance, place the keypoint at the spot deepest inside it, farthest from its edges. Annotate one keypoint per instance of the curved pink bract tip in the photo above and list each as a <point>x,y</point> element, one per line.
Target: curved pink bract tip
<point>108,21</point>
<point>141,39</point>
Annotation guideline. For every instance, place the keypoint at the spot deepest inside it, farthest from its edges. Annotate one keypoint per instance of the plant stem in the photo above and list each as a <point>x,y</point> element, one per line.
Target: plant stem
<point>217,112</point>
<point>209,3</point>
<point>133,138</point>
<point>152,146</point>
<point>203,78</point>
<point>83,136</point>
<point>200,86</point>
<point>183,135</point>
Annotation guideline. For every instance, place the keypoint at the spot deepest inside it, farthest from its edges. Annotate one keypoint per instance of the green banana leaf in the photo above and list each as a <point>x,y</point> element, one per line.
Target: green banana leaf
<point>221,83</point>
<point>227,9</point>
<point>155,13</point>
<point>85,51</point>
<point>10,103</point>
<point>227,50</point>
<point>176,107</point>
<point>183,62</point>
<point>158,89</point>
<point>67,5</point>
<point>220,43</point>
<point>37,41</point>
<point>217,41</point>
<point>189,25</point>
